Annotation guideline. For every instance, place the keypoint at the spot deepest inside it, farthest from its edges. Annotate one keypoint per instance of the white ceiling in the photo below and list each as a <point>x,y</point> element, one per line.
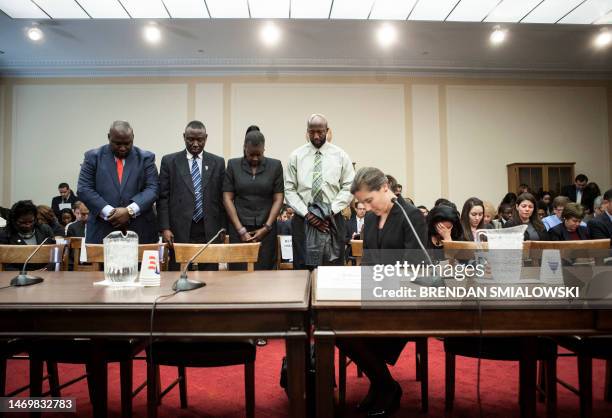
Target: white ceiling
<point>115,47</point>
<point>507,11</point>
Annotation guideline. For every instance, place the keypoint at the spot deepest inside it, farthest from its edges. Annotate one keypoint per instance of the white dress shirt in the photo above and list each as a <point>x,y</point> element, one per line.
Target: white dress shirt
<point>106,210</point>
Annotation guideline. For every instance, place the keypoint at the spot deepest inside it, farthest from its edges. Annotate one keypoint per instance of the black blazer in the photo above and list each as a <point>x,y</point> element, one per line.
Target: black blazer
<point>176,202</point>
<point>559,233</point>
<point>55,202</point>
<point>543,235</point>
<point>570,192</point>
<point>396,233</point>
<point>76,229</point>
<point>600,227</point>
<point>41,231</point>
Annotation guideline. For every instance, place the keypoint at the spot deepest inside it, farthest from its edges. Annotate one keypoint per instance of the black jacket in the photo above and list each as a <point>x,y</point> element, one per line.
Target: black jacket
<point>543,235</point>
<point>41,231</point>
<point>55,202</point>
<point>559,233</point>
<point>600,227</point>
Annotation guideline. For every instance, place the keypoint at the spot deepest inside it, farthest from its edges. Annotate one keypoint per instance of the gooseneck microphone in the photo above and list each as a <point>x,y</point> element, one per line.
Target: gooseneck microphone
<point>183,283</point>
<point>23,279</point>
<point>435,281</point>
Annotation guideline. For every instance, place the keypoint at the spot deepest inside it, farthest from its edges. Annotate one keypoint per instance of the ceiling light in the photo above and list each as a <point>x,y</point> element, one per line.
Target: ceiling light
<point>152,33</point>
<point>387,35</point>
<point>270,34</point>
<point>603,39</point>
<point>498,35</point>
<point>35,34</point>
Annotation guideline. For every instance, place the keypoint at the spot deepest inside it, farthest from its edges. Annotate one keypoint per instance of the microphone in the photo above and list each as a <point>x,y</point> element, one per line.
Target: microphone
<point>23,279</point>
<point>435,281</point>
<point>183,283</point>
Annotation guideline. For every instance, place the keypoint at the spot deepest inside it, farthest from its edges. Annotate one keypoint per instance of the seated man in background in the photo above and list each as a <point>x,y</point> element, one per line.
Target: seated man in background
<point>601,226</point>
<point>65,200</point>
<point>575,192</point>
<point>77,228</point>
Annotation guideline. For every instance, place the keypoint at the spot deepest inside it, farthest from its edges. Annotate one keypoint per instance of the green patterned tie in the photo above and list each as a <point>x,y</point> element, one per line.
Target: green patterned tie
<point>317,178</point>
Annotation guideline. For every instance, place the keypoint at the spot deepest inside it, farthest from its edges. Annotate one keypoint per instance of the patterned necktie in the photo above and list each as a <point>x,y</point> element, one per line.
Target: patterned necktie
<point>198,213</point>
<point>317,178</point>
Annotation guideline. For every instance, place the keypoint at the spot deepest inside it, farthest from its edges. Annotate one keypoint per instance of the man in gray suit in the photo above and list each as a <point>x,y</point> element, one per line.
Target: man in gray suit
<point>190,206</point>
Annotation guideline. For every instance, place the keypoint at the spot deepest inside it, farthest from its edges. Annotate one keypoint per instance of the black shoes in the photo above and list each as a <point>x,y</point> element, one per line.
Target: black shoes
<point>386,403</point>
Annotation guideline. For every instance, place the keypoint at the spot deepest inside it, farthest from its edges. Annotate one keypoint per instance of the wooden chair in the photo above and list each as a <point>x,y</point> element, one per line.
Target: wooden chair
<point>183,354</point>
<point>280,265</point>
<point>96,354</point>
<point>495,348</point>
<point>584,348</point>
<point>18,254</point>
<point>357,250</point>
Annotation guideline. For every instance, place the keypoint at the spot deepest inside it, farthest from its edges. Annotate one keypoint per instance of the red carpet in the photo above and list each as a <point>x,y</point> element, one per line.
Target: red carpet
<point>220,392</point>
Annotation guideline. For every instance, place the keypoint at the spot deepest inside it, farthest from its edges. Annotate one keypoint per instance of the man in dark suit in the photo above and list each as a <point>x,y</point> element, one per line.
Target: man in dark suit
<point>601,226</point>
<point>66,198</point>
<point>119,184</point>
<point>575,192</point>
<point>190,206</point>
<point>78,227</point>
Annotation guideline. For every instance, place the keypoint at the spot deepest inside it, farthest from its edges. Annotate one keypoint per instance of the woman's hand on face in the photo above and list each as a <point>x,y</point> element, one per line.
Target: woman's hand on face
<point>443,231</point>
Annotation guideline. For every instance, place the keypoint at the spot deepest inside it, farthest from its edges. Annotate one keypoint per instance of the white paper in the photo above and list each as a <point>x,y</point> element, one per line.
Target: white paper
<point>83,255</point>
<point>149,268</point>
<point>117,284</point>
<point>2,222</point>
<point>63,206</point>
<point>339,283</point>
<point>286,245</point>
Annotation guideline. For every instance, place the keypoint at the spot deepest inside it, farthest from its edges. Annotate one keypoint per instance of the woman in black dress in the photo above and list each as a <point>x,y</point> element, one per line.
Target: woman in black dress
<point>385,228</point>
<point>253,193</point>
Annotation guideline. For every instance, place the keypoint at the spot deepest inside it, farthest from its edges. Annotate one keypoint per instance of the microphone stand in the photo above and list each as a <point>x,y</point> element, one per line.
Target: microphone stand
<point>183,283</point>
<point>24,279</point>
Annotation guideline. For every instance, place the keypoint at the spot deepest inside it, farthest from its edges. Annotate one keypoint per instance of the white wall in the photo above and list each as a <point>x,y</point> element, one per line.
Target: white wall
<point>367,120</point>
<point>489,127</point>
<point>484,127</point>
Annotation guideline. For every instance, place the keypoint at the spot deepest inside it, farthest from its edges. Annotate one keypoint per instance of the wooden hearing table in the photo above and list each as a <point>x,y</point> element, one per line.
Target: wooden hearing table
<point>232,306</point>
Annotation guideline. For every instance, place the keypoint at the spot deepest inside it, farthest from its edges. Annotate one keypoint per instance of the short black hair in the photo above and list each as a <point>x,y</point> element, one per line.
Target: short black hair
<point>608,195</point>
<point>63,186</point>
<point>422,207</point>
<point>581,178</point>
<point>252,128</point>
<point>195,124</point>
<point>254,138</point>
<point>445,202</point>
<point>19,209</point>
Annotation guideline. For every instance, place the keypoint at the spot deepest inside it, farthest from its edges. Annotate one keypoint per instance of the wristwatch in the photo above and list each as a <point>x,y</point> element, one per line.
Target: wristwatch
<point>131,212</point>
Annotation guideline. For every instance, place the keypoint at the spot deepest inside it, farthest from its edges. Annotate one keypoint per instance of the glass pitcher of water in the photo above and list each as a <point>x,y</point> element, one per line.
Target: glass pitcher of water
<point>505,251</point>
<point>121,257</point>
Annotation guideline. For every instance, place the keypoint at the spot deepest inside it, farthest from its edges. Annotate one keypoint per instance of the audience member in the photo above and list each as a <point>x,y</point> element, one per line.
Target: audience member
<point>78,227</point>
<point>65,199</point>
<point>22,226</point>
<point>66,218</point>
<point>601,226</point>
<point>443,224</point>
<point>423,210</point>
<point>575,192</point>
<point>558,205</point>
<point>525,214</point>
<point>570,229</point>
<point>47,217</point>
<point>472,218</point>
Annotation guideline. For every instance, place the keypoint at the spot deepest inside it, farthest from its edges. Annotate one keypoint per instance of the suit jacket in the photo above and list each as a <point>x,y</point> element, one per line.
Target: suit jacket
<point>600,227</point>
<point>559,233</point>
<point>99,186</point>
<point>176,202</point>
<point>55,202</point>
<point>570,192</point>
<point>76,229</point>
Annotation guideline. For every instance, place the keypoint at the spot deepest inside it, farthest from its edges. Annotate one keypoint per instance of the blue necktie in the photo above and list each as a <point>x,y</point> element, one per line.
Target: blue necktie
<point>198,213</point>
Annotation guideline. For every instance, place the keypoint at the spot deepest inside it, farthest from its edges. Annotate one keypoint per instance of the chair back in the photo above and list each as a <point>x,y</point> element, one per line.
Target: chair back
<point>357,250</point>
<point>218,253</point>
<point>18,254</point>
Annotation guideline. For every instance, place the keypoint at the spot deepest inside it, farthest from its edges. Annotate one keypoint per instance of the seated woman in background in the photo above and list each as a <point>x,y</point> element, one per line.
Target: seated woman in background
<point>47,217</point>
<point>525,214</point>
<point>489,214</point>
<point>66,217</point>
<point>542,209</point>
<point>546,197</point>
<point>472,218</point>
<point>385,228</point>
<point>443,224</point>
<point>570,229</point>
<point>22,227</point>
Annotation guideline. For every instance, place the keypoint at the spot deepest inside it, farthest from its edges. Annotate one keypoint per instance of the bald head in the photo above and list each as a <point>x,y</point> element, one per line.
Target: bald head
<point>316,128</point>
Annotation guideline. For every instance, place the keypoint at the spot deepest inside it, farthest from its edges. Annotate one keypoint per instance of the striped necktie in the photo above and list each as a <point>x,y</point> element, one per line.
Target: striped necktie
<point>317,178</point>
<point>198,213</point>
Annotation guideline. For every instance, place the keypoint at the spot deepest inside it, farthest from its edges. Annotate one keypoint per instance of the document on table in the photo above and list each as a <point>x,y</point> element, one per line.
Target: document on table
<point>339,283</point>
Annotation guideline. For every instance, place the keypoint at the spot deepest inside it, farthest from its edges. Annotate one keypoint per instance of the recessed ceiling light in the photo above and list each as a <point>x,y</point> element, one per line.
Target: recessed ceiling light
<point>35,34</point>
<point>386,35</point>
<point>270,34</point>
<point>152,33</point>
<point>498,35</point>
<point>603,39</point>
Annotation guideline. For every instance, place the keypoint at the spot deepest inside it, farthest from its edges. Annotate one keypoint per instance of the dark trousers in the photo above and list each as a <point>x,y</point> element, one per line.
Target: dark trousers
<point>197,235</point>
<point>266,259</point>
<point>299,241</point>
